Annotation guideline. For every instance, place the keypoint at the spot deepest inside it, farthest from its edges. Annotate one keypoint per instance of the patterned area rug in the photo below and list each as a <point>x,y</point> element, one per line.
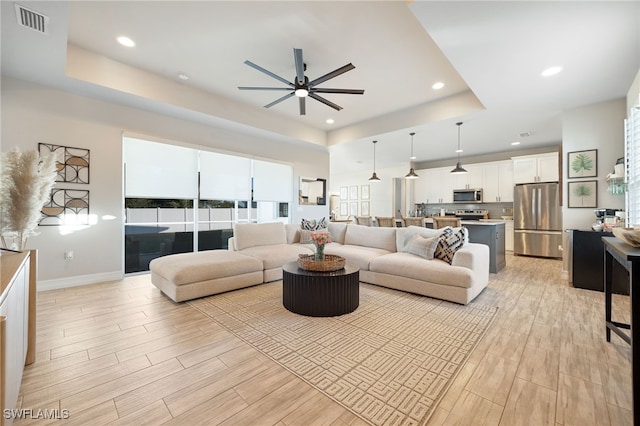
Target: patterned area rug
<point>389,362</point>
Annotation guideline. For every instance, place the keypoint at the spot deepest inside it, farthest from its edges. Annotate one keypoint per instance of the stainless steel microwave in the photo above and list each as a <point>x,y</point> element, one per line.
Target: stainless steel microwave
<point>467,195</point>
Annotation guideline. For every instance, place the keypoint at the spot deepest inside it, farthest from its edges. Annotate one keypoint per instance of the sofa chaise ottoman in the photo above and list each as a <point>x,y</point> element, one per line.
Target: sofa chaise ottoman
<point>187,276</point>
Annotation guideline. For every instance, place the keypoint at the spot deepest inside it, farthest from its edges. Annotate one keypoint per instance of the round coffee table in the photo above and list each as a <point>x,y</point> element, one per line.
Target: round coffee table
<point>320,294</point>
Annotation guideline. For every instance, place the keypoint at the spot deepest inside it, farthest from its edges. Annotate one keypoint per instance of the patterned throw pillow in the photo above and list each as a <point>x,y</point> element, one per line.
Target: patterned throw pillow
<point>449,243</point>
<point>423,246</point>
<point>313,224</point>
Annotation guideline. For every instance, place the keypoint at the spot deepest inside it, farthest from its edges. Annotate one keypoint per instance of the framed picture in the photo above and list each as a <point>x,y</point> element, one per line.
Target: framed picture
<point>353,208</point>
<point>583,194</point>
<point>582,164</point>
<point>344,193</point>
<point>344,209</point>
<point>364,192</point>
<point>364,208</point>
<point>353,192</point>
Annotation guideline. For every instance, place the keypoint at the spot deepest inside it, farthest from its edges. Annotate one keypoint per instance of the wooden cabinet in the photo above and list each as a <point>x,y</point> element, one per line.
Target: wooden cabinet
<point>17,323</point>
<point>536,168</point>
<point>587,263</point>
<point>498,182</point>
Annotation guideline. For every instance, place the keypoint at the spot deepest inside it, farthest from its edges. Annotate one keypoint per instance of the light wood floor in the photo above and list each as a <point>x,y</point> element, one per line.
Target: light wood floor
<point>122,353</point>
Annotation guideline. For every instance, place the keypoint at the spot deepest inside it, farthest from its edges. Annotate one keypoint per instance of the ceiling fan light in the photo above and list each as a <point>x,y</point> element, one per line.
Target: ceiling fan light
<point>411,175</point>
<point>301,92</point>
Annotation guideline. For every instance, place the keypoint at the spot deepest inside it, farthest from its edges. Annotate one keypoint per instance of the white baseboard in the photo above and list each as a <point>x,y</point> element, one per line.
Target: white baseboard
<point>79,280</point>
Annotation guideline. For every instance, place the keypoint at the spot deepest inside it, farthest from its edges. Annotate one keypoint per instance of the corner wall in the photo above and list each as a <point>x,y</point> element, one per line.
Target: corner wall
<point>598,126</point>
<point>33,113</point>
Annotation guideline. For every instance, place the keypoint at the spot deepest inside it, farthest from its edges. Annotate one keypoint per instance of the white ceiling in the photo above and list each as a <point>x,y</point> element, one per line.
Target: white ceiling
<point>488,54</point>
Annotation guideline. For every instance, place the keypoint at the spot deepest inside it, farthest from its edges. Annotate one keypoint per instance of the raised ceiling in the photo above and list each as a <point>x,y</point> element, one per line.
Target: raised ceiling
<point>488,54</point>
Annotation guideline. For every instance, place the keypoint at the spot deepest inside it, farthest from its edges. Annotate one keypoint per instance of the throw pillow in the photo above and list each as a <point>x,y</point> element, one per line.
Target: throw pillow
<point>305,235</point>
<point>313,224</point>
<point>423,246</point>
<point>449,242</point>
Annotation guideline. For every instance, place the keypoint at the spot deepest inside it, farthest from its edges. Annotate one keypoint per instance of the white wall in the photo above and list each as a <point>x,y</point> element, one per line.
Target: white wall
<point>599,126</point>
<point>380,193</point>
<point>32,114</point>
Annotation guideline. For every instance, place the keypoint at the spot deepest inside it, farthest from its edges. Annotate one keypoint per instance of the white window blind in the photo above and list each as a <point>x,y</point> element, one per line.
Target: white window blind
<point>272,181</point>
<point>224,177</point>
<point>632,160</point>
<point>156,170</point>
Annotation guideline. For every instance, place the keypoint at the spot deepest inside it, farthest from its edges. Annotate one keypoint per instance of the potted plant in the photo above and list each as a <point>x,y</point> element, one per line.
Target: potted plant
<point>26,179</point>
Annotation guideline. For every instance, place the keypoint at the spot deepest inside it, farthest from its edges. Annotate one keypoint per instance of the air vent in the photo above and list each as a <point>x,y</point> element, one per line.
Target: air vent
<point>31,19</point>
<point>524,134</point>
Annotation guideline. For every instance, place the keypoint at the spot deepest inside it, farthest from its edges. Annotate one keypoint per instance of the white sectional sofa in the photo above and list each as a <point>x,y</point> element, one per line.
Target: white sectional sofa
<point>380,253</point>
<point>257,253</point>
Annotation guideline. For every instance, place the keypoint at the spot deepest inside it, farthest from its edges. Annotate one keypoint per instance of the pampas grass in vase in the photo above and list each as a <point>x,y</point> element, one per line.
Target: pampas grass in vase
<point>26,179</point>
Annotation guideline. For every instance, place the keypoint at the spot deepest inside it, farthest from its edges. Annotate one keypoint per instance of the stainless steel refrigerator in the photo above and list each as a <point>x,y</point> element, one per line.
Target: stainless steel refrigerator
<point>537,220</point>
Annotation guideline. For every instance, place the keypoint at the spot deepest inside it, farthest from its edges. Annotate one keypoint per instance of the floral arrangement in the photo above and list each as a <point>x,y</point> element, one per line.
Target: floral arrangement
<point>320,239</point>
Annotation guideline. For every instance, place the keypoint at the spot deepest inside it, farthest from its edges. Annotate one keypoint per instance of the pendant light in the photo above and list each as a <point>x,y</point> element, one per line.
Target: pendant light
<point>458,170</point>
<point>374,177</point>
<point>412,174</point>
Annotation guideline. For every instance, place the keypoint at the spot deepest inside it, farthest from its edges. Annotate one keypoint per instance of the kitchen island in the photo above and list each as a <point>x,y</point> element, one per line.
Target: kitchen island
<point>492,234</point>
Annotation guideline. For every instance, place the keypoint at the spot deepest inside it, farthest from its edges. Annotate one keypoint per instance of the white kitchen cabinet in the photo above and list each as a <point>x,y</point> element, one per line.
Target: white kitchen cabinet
<point>471,180</point>
<point>498,182</point>
<point>508,235</point>
<point>535,168</point>
<point>438,186</point>
<point>420,187</point>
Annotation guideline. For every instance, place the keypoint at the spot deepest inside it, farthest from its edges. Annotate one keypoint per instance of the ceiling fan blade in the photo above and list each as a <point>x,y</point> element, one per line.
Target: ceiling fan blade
<point>332,74</point>
<point>277,101</point>
<point>348,91</point>
<point>269,73</point>
<point>325,101</point>
<point>297,56</point>
<point>303,109</point>
<point>263,88</point>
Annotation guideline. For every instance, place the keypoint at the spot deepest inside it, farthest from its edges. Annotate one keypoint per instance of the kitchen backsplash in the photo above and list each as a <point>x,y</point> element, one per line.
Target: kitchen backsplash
<point>495,210</point>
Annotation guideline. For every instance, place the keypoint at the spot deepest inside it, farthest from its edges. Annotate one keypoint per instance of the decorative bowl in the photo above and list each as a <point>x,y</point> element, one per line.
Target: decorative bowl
<point>630,236</point>
<point>329,264</point>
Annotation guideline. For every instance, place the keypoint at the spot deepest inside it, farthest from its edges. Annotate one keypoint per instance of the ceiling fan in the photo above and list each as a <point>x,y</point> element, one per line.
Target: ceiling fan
<point>301,86</point>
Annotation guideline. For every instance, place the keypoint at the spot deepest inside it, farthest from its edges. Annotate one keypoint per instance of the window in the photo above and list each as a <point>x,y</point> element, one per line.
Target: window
<point>632,160</point>
<point>164,182</point>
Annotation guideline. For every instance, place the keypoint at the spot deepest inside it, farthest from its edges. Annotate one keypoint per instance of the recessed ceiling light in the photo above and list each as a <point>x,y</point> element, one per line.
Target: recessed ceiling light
<point>330,121</point>
<point>438,85</point>
<point>551,71</point>
<point>515,143</point>
<point>183,76</point>
<point>126,41</point>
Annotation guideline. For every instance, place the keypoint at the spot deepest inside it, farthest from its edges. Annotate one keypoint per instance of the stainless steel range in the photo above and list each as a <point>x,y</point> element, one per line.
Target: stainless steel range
<point>472,214</point>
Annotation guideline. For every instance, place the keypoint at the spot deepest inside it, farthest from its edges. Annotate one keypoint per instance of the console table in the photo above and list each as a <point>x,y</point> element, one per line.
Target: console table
<point>629,258</point>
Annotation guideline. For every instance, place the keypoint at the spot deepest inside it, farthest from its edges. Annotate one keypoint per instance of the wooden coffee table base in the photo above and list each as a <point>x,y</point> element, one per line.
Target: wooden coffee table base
<point>320,294</point>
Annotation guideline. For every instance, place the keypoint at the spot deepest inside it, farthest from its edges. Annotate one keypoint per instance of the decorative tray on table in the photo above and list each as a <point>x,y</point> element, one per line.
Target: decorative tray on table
<point>630,236</point>
<point>329,264</point>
